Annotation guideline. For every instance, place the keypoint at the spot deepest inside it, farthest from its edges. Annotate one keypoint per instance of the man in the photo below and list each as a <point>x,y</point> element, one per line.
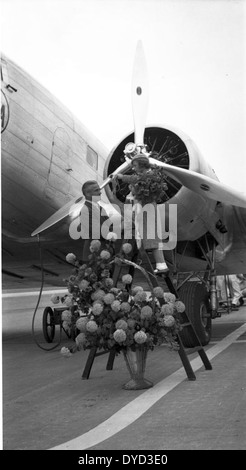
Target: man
<point>232,283</point>
<point>242,285</point>
<point>94,224</point>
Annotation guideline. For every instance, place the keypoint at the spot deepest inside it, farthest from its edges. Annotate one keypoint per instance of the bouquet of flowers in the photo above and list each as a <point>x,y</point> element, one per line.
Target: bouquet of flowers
<point>150,187</point>
<point>106,316</point>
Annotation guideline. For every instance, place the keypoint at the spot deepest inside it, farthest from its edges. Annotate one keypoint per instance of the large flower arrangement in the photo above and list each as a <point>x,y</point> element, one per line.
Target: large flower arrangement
<point>105,316</point>
<point>150,187</point>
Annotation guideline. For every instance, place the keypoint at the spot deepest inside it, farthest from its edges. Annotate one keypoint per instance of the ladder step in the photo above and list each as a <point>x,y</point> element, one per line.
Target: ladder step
<point>183,352</point>
<point>188,323</point>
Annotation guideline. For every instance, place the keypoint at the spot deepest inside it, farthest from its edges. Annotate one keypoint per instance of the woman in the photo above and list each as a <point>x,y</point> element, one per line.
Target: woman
<point>145,190</point>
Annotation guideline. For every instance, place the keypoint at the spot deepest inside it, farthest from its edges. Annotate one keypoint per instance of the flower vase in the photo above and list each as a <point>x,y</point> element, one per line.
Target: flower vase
<point>136,363</point>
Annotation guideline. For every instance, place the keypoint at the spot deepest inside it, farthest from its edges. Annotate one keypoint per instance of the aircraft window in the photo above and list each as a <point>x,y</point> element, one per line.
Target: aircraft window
<point>92,158</point>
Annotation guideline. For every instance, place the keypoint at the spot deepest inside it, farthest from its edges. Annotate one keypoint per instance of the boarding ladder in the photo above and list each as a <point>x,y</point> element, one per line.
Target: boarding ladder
<point>141,256</point>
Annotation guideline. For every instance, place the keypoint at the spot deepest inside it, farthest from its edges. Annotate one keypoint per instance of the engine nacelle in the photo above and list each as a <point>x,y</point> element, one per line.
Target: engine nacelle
<point>174,148</point>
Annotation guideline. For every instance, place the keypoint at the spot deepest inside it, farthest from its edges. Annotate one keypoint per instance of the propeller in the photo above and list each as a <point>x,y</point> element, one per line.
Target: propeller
<point>203,185</point>
<point>139,94</point>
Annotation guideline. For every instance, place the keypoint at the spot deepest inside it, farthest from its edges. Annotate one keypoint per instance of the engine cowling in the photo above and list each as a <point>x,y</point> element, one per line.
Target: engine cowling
<point>164,144</point>
<point>174,148</point>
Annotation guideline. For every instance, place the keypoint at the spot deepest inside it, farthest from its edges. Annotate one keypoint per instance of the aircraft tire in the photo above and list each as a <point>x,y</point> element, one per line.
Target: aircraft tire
<point>196,299</point>
<point>48,324</point>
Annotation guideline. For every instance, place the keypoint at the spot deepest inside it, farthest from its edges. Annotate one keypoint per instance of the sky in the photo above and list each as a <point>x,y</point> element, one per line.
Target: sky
<point>82,51</point>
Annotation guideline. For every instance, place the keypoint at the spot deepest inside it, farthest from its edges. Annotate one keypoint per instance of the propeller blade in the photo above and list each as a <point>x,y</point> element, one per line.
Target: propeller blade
<point>73,207</point>
<point>59,215</point>
<point>203,185</point>
<point>121,169</point>
<point>139,94</point>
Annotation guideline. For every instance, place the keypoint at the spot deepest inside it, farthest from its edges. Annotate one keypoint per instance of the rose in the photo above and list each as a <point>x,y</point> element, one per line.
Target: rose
<point>93,277</point>
<point>169,297</point>
<point>112,236</point>
<point>95,246</point>
<point>66,316</point>
<point>80,340</point>
<point>127,279</point>
<point>131,323</point>
<point>68,301</point>
<point>71,258</point>
<point>81,323</point>
<point>91,326</point>
<point>66,326</point>
<point>125,307</point>
<point>140,337</point>
<point>55,299</point>
<point>115,290</point>
<point>108,299</point>
<point>169,321</point>
<point>158,292</point>
<point>105,273</point>
<point>116,306</point>
<point>109,282</point>
<point>66,352</point>
<point>167,309</point>
<point>88,271</point>
<point>140,296</point>
<point>83,267</point>
<point>180,306</point>
<point>126,248</point>
<point>121,325</point>
<point>83,284</point>
<point>105,254</point>
<point>97,309</point>
<point>98,294</point>
<point>119,336</point>
<point>136,289</point>
<point>146,312</point>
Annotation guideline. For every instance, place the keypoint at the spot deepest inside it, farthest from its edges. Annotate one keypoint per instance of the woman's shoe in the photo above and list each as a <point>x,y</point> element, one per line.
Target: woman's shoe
<point>161,271</point>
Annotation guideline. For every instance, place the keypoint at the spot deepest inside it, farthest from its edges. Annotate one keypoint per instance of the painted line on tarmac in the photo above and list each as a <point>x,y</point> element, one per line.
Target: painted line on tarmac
<point>137,407</point>
<point>9,295</point>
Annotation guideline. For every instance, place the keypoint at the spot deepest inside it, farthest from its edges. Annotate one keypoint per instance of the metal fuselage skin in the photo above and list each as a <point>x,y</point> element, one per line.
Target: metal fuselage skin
<point>46,153</point>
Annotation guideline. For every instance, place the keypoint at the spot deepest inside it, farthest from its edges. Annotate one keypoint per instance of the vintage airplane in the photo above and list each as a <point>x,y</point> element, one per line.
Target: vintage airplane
<point>47,155</point>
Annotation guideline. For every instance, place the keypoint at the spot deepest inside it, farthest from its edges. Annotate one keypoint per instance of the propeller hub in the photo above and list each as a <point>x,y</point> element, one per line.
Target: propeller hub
<point>135,150</point>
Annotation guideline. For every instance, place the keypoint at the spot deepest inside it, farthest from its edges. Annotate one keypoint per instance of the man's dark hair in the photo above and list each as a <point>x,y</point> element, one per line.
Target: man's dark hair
<point>86,185</point>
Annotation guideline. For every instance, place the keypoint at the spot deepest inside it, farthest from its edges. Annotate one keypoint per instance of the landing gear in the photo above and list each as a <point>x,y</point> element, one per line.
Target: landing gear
<point>198,290</point>
<point>195,296</point>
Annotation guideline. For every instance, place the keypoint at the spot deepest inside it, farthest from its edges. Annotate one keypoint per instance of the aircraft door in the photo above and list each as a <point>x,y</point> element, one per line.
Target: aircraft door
<point>59,177</point>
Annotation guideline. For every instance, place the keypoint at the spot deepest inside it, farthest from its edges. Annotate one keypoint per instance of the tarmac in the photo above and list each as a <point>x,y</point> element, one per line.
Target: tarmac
<point>48,406</point>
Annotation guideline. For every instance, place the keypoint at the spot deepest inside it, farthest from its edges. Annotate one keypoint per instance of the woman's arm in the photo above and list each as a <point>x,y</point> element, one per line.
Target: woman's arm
<point>127,178</point>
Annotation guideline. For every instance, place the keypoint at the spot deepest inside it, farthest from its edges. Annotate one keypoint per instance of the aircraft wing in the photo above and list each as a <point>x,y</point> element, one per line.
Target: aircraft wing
<point>203,185</point>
